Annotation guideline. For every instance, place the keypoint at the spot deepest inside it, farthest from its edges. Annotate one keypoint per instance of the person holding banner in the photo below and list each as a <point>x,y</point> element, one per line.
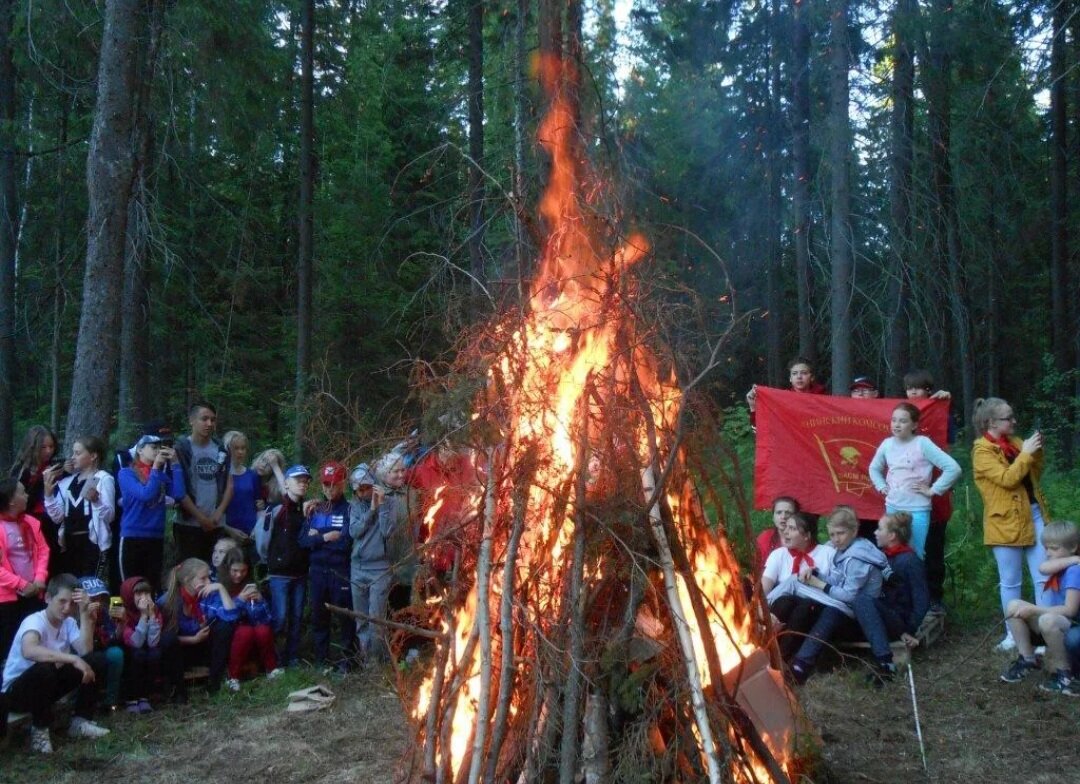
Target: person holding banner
<point>901,470</point>
<point>801,376</point>
<point>1007,472</point>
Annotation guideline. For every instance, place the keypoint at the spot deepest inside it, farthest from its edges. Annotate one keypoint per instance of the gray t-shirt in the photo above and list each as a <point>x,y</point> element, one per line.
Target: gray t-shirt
<point>206,463</point>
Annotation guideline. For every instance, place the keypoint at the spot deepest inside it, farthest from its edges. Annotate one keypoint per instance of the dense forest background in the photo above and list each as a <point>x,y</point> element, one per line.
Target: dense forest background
<point>296,209</point>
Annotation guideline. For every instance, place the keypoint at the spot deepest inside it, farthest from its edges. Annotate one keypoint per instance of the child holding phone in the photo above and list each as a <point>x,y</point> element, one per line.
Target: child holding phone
<point>253,639</point>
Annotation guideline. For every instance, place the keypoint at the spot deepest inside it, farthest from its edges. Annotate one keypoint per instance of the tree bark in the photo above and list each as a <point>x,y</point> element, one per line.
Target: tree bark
<point>800,154</point>
<point>9,229</point>
<point>476,143</point>
<point>305,219</point>
<point>840,250</point>
<point>773,204</point>
<point>1063,336</point>
<point>519,137</point>
<point>110,175</point>
<point>902,132</point>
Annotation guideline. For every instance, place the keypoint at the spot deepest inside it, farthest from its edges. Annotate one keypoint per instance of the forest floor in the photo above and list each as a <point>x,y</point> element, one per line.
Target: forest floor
<point>974,728</point>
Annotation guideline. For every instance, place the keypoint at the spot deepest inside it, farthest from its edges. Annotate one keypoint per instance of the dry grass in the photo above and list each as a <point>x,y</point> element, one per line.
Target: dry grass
<point>975,728</point>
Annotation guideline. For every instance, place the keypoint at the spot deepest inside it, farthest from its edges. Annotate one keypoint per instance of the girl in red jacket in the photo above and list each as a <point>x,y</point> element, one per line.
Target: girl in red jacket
<point>24,561</point>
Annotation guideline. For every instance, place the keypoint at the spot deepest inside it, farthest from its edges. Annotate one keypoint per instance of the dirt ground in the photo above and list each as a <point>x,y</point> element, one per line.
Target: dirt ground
<point>974,728</point>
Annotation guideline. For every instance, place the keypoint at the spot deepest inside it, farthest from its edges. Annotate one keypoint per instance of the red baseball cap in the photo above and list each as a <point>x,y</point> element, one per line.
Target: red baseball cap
<point>333,472</point>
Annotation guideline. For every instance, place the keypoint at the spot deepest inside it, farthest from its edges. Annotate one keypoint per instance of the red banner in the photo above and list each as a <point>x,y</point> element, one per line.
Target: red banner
<point>817,448</point>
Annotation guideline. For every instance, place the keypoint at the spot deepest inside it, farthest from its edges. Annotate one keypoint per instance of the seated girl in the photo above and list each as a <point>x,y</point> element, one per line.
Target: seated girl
<point>202,630</point>
<point>800,551</point>
<point>783,509</point>
<point>253,640</point>
<point>858,567</point>
<point>898,612</point>
<point>142,639</point>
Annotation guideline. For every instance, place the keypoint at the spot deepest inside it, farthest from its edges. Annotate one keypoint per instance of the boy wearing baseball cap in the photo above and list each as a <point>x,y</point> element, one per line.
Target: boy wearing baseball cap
<point>327,537</point>
<point>287,561</point>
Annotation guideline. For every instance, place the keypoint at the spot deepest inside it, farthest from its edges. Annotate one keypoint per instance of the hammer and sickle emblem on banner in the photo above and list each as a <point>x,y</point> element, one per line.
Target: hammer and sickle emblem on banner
<point>844,457</point>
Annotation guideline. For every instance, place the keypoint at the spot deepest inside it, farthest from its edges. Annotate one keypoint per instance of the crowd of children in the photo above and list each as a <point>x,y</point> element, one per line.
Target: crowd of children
<point>351,547</point>
<point>258,563</point>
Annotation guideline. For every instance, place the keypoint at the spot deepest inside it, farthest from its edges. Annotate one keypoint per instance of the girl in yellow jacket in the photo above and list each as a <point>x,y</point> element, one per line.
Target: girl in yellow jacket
<point>1007,472</point>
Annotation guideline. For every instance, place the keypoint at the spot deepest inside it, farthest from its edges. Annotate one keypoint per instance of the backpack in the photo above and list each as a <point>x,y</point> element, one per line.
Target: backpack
<point>263,530</point>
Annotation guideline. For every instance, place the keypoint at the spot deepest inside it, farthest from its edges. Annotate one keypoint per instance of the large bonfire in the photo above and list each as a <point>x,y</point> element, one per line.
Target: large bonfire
<point>597,624</point>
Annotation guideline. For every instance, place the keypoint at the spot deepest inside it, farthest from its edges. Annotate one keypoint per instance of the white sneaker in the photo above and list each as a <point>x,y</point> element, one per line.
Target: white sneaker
<point>232,684</point>
<point>1006,645</point>
<point>1040,650</point>
<point>40,742</point>
<point>275,673</point>
<point>84,728</point>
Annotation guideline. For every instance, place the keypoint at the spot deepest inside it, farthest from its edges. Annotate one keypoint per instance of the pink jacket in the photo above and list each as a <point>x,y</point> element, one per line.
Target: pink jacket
<point>11,583</point>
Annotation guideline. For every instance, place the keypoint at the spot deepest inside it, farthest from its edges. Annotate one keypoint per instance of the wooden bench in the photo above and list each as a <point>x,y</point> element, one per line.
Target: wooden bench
<point>930,630</point>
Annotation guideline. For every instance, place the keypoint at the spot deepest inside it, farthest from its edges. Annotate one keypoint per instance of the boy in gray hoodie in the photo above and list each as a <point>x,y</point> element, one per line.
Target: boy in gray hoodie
<point>858,568</point>
<point>370,524</point>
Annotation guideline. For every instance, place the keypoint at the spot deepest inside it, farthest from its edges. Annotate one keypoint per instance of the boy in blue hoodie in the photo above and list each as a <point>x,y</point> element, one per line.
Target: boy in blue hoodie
<point>898,612</point>
<point>328,539</point>
<point>858,568</point>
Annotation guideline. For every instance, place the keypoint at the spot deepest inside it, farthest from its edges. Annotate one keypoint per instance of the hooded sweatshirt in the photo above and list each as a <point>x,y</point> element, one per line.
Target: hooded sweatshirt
<point>369,529</point>
<point>860,568</point>
<point>144,502</point>
<point>139,632</point>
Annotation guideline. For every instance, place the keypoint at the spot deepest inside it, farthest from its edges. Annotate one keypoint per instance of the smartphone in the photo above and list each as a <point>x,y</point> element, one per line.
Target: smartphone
<point>251,587</point>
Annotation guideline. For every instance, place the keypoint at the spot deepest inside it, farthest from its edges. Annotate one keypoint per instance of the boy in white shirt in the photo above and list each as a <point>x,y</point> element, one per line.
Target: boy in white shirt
<point>46,661</point>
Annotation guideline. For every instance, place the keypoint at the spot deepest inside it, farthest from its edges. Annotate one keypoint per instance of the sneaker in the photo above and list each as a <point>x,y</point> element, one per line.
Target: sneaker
<point>1019,670</point>
<point>145,706</point>
<point>275,673</point>
<point>1061,683</point>
<point>84,728</point>
<point>232,684</point>
<point>800,673</point>
<point>1006,646</point>
<point>882,673</point>
<point>133,707</point>
<point>40,742</point>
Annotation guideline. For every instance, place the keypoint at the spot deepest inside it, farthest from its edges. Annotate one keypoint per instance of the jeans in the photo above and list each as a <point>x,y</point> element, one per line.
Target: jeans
<point>880,623</point>
<point>1010,564</point>
<point>920,526</point>
<point>1072,649</point>
<point>370,593</point>
<point>114,672</point>
<point>144,668</point>
<point>287,597</point>
<point>824,629</point>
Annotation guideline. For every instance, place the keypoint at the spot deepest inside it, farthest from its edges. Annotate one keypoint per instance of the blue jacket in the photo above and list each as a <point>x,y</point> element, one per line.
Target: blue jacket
<point>213,610</point>
<point>144,504</point>
<point>245,614</point>
<point>906,591</point>
<point>333,555</point>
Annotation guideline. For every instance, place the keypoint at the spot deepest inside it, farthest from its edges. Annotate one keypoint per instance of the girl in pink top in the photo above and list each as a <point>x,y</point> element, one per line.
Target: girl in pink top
<point>24,561</point>
<point>901,471</point>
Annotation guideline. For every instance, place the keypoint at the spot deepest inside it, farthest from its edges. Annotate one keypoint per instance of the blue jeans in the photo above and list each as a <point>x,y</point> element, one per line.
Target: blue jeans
<point>1072,648</point>
<point>1010,565</point>
<point>287,597</point>
<point>824,629</point>
<point>880,623</point>
<point>370,592</point>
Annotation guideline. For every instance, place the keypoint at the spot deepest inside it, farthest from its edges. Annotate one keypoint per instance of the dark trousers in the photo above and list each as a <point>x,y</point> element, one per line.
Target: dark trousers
<point>11,616</point>
<point>212,652</point>
<point>143,670</point>
<point>829,624</point>
<point>82,557</point>
<point>142,557</point>
<point>36,690</point>
<point>935,560</point>
<point>193,542</point>
<point>879,622</point>
<point>798,616</point>
<point>328,586</point>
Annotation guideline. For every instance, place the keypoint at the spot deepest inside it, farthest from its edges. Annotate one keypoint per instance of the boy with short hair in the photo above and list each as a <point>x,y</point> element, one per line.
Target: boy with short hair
<point>206,465</point>
<point>287,561</point>
<point>1055,619</point>
<point>50,656</point>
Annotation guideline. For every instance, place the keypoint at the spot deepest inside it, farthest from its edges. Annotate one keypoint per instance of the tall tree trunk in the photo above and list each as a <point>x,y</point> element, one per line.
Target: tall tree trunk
<point>772,208</point>
<point>938,86</point>
<point>476,142</point>
<point>134,404</point>
<point>519,137</point>
<point>900,165</point>
<point>110,174</point>
<point>993,350</point>
<point>9,218</point>
<point>305,218</point>
<point>59,234</point>
<point>800,154</point>
<point>1064,336</point>
<point>840,250</point>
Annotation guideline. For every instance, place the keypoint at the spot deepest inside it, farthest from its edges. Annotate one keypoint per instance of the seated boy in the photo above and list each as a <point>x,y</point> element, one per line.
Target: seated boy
<point>897,613</point>
<point>52,655</point>
<point>1053,621</point>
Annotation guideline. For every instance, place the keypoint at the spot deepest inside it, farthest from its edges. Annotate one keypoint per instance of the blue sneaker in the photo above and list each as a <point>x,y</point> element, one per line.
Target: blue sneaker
<point>1019,670</point>
<point>1060,683</point>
